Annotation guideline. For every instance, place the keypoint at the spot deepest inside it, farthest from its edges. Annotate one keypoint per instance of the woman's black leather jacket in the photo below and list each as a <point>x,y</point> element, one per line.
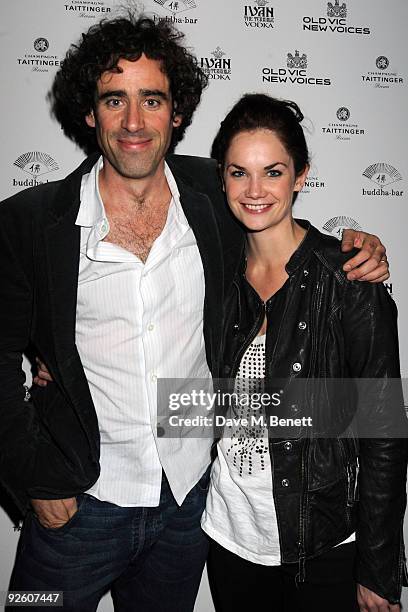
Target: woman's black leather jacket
<point>323,333</point>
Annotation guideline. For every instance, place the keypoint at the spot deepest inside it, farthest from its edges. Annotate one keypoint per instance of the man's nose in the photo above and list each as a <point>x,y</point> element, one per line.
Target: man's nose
<point>133,119</point>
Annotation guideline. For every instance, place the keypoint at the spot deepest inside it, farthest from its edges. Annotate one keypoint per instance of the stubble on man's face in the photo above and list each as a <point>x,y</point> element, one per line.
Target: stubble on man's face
<point>134,118</point>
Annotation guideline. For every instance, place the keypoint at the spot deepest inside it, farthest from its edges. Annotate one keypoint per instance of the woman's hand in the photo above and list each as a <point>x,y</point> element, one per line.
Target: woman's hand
<point>371,602</point>
<point>370,263</point>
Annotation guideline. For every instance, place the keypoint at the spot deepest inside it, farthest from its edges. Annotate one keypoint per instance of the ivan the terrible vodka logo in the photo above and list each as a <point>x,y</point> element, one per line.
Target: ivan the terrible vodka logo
<point>217,67</point>
<point>335,21</point>
<point>259,15</point>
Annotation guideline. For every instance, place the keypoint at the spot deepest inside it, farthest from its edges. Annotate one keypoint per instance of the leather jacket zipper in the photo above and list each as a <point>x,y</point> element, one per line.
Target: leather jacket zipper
<point>301,575</point>
<point>316,302</point>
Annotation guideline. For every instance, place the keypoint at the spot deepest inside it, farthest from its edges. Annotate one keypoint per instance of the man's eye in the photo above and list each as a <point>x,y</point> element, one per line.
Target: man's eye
<point>115,102</point>
<point>151,103</point>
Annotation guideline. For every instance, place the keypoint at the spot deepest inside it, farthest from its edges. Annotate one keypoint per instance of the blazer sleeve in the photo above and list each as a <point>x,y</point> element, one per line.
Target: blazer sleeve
<point>371,343</point>
<point>18,423</point>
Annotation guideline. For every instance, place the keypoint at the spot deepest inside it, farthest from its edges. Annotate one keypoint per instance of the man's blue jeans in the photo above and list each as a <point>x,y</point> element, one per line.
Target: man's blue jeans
<point>150,558</point>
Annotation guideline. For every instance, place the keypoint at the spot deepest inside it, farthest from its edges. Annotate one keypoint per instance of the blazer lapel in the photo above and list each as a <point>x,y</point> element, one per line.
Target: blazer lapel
<point>62,244</point>
<point>200,216</point>
<point>62,238</point>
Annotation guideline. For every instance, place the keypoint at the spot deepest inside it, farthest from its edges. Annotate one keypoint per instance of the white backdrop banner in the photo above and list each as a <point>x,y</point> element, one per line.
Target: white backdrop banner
<point>344,63</point>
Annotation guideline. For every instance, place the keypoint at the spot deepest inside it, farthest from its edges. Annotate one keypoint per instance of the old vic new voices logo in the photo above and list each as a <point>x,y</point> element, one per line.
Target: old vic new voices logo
<point>295,72</point>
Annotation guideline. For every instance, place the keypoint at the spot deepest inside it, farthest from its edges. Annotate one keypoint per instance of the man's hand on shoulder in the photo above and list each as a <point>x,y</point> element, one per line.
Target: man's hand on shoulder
<point>370,264</point>
<point>54,513</point>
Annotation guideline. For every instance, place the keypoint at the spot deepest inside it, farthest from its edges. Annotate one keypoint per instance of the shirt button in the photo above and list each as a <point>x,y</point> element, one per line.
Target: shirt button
<point>305,272</point>
<point>303,286</point>
<point>294,408</point>
<point>296,367</point>
<point>153,377</point>
<point>302,325</point>
<point>104,227</point>
<point>150,327</point>
<point>288,446</point>
<point>285,482</point>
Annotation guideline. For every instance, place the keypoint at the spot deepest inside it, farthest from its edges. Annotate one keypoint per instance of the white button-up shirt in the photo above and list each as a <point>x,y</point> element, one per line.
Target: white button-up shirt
<point>137,322</point>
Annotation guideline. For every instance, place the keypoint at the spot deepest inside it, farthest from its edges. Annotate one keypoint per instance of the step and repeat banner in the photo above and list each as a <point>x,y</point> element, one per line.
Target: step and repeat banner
<point>344,63</point>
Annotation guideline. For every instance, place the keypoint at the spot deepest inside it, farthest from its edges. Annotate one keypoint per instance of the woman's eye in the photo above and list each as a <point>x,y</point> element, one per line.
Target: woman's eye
<point>274,173</point>
<point>237,173</point>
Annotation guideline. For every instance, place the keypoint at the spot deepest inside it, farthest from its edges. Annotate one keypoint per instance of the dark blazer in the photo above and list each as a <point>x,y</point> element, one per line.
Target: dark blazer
<point>49,443</point>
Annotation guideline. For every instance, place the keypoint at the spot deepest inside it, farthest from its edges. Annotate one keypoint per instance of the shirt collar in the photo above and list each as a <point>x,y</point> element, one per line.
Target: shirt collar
<point>175,195</point>
<point>92,211</point>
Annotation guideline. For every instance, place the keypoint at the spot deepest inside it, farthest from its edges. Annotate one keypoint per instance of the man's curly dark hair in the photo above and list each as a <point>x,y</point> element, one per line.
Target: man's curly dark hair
<point>72,95</point>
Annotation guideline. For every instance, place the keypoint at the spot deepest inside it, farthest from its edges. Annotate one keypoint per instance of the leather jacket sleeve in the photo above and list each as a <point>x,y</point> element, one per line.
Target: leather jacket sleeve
<point>369,318</point>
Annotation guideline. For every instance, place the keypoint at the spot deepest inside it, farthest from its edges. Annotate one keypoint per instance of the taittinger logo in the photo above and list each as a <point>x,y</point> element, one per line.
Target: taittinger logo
<point>382,78</point>
<point>89,9</point>
<point>343,114</point>
<point>313,183</point>
<point>39,61</point>
<point>41,44</point>
<point>343,130</point>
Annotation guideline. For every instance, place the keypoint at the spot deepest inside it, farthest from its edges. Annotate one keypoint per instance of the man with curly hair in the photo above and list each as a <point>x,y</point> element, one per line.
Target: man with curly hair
<point>116,276</point>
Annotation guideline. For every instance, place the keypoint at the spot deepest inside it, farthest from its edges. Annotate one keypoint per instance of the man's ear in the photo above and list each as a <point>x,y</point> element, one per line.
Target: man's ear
<point>177,120</point>
<point>301,178</point>
<point>90,119</point>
